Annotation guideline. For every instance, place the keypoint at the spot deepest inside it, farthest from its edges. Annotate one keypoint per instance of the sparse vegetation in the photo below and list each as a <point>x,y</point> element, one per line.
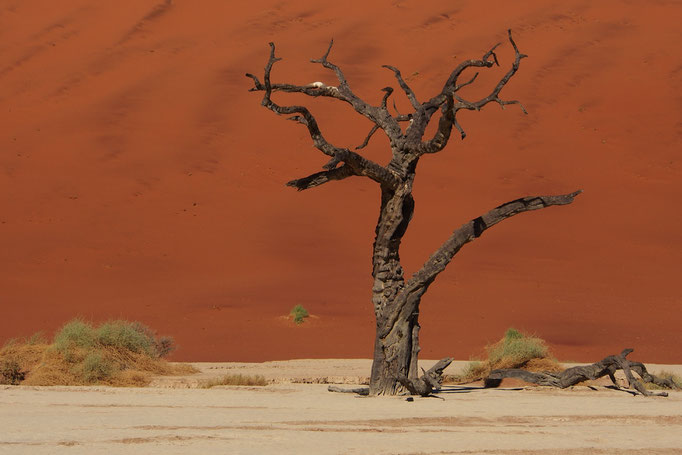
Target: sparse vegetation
<point>515,350</point>
<point>299,314</point>
<point>119,353</point>
<point>74,334</point>
<point>96,368</point>
<point>236,379</point>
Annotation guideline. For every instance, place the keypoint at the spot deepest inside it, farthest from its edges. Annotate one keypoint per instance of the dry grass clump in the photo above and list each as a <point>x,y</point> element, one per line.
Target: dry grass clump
<point>117,353</point>
<point>236,379</point>
<point>515,350</point>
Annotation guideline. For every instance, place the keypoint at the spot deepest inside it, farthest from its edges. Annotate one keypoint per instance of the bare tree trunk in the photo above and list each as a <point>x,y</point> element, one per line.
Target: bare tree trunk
<point>394,357</point>
<point>396,344</point>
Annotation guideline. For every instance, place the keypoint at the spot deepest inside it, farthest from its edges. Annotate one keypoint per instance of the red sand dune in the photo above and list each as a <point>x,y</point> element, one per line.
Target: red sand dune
<point>140,179</point>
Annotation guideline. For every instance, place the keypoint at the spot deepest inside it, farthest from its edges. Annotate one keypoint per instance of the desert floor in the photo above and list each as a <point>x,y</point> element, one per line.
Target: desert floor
<point>291,417</point>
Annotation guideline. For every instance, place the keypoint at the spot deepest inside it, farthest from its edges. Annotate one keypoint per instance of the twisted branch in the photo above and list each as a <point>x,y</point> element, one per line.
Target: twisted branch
<point>446,99</point>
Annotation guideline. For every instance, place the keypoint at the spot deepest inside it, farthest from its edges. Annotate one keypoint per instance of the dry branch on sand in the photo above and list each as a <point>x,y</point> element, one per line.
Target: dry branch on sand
<point>575,375</point>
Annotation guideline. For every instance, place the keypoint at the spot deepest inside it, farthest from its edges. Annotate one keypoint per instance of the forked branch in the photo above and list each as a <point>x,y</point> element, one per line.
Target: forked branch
<point>450,102</point>
<point>356,164</point>
<point>378,115</point>
<point>403,85</point>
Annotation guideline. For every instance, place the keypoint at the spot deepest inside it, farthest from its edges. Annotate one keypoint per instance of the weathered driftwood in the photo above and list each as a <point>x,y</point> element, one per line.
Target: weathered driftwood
<point>572,376</point>
<point>430,381</point>
<point>396,298</point>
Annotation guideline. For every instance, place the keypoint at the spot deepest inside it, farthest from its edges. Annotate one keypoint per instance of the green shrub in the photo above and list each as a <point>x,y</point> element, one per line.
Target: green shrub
<point>95,368</point>
<point>76,333</point>
<point>299,314</point>
<point>118,353</point>
<point>517,349</point>
<point>127,335</point>
<point>163,345</point>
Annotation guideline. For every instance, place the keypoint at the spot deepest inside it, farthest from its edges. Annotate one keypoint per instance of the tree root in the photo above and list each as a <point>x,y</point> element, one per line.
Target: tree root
<point>572,376</point>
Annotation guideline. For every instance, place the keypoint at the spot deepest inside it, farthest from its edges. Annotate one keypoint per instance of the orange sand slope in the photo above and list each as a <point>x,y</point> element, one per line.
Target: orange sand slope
<point>140,179</point>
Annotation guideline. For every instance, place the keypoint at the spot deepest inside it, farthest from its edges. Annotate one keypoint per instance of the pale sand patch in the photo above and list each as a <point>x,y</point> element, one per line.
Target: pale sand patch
<point>295,418</point>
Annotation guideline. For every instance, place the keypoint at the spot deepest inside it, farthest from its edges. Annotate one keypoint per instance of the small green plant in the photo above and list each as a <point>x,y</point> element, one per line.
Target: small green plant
<point>127,335</point>
<point>74,334</point>
<point>299,314</point>
<point>96,368</point>
<point>516,348</point>
<point>236,379</point>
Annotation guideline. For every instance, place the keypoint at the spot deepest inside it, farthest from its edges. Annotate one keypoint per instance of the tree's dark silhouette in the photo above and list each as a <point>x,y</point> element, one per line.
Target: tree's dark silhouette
<point>395,298</point>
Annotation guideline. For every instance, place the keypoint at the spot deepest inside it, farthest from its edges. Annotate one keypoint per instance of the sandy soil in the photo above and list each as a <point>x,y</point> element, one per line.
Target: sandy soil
<point>290,418</point>
<point>140,179</point>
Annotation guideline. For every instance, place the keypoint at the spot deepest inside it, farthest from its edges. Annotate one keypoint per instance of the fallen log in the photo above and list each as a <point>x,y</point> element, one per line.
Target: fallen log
<point>572,376</point>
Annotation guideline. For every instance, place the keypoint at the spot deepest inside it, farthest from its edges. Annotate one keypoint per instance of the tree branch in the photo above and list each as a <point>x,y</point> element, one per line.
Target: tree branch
<point>369,136</point>
<point>474,229</point>
<point>449,93</point>
<point>357,164</point>
<point>304,116</point>
<point>378,115</point>
<point>403,85</point>
<point>319,178</point>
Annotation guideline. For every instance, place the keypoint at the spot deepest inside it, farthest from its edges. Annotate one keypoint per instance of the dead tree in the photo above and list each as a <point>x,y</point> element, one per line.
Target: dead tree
<point>575,375</point>
<point>395,298</point>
